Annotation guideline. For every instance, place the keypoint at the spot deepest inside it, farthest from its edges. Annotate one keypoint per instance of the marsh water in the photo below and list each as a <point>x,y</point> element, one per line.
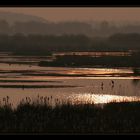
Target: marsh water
<point>21,76</point>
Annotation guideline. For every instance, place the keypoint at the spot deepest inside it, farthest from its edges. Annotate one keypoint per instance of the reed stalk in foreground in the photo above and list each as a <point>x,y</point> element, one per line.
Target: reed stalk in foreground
<point>39,116</point>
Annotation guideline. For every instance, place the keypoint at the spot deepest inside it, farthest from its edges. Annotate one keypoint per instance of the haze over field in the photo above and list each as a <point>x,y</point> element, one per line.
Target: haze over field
<point>57,21</point>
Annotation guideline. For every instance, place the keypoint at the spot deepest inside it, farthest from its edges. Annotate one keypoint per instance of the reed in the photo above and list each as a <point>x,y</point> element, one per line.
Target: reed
<point>40,116</point>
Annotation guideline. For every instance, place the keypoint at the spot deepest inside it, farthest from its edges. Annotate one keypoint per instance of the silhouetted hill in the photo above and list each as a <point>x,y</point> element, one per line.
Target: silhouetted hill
<point>13,23</point>
<point>11,17</point>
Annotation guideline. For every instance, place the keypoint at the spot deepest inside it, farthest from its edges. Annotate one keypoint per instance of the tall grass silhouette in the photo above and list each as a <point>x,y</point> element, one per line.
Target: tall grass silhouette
<point>39,116</point>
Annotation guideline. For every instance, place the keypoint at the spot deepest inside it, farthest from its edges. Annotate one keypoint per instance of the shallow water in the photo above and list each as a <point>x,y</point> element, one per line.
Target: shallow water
<point>98,85</point>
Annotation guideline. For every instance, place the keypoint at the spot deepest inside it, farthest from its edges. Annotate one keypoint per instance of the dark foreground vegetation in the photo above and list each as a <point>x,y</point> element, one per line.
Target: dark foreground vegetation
<point>40,117</point>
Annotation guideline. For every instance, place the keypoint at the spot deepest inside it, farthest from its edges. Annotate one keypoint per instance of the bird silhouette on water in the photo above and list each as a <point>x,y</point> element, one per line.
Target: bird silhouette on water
<point>112,83</point>
<point>102,85</point>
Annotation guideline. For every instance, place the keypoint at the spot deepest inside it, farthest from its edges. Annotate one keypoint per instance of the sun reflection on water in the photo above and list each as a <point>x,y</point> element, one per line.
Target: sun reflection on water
<point>100,99</point>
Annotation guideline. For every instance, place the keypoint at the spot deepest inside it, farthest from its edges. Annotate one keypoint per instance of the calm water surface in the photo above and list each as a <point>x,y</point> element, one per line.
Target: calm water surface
<point>21,77</point>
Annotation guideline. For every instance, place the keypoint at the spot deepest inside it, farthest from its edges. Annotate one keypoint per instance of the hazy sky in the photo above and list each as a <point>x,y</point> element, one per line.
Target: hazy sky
<point>81,14</point>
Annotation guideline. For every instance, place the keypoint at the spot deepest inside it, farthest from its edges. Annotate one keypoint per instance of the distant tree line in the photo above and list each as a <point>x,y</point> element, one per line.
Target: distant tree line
<point>45,44</point>
<point>102,29</point>
<point>45,28</point>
